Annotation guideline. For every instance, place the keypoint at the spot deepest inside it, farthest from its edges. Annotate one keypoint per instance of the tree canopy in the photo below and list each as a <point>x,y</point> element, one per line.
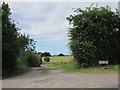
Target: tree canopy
<point>61,54</point>
<point>45,54</point>
<point>13,42</point>
<point>94,35</point>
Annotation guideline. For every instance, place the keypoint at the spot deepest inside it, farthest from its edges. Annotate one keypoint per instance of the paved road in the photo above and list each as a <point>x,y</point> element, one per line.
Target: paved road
<point>56,78</point>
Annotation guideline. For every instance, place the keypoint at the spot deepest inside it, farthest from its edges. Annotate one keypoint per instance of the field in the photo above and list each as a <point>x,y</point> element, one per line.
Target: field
<point>60,60</point>
<point>67,64</point>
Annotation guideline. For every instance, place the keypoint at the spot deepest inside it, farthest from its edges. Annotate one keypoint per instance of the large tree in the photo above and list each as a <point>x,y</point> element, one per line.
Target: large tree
<point>95,31</point>
<point>13,43</point>
<point>10,49</point>
<point>26,43</point>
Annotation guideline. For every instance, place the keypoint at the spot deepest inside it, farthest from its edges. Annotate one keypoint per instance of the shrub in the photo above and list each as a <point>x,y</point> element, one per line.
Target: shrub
<point>41,60</point>
<point>99,25</point>
<point>47,59</point>
<point>84,65</point>
<point>84,53</point>
<point>22,59</point>
<point>33,61</point>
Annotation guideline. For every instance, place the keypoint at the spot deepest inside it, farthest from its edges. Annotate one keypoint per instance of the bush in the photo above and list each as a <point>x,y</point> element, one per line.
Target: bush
<point>47,59</point>
<point>84,53</point>
<point>27,58</point>
<point>22,59</point>
<point>41,60</point>
<point>84,65</point>
<point>33,61</point>
<point>99,25</point>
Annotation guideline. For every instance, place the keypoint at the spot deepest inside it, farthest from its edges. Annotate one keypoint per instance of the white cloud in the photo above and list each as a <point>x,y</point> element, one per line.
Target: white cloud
<point>29,10</point>
<point>53,28</point>
<point>45,21</point>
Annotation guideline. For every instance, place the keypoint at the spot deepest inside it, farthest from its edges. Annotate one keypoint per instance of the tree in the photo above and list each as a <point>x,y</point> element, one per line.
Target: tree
<point>61,54</point>
<point>33,61</point>
<point>10,48</point>
<point>26,43</point>
<point>84,53</point>
<point>99,27</point>
<point>13,43</point>
<point>46,54</point>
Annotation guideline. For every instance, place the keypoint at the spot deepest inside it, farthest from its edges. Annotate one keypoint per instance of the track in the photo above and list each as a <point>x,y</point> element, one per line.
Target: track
<point>56,78</point>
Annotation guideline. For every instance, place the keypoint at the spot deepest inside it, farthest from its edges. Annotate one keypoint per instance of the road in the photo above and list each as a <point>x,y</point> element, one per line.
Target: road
<point>56,78</point>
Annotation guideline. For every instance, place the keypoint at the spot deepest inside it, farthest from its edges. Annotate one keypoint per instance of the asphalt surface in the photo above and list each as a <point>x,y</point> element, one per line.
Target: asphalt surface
<point>56,78</point>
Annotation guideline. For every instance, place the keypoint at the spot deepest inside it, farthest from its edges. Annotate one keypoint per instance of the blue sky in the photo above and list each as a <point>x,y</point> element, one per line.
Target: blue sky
<point>46,22</point>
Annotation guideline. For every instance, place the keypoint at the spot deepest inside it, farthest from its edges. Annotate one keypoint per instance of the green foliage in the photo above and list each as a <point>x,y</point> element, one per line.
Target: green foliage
<point>47,59</point>
<point>22,59</point>
<point>33,61</point>
<point>41,60</point>
<point>10,50</point>
<point>13,43</point>
<point>26,43</point>
<point>45,54</point>
<point>84,53</point>
<point>72,68</point>
<point>19,71</point>
<point>100,28</point>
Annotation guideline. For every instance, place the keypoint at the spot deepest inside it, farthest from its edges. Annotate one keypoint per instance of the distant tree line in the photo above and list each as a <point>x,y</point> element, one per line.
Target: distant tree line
<point>61,54</point>
<point>94,35</point>
<point>45,54</point>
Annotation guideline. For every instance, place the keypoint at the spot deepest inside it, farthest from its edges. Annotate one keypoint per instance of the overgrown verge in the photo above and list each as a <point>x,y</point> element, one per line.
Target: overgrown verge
<point>17,49</point>
<point>73,69</point>
<point>17,72</point>
<point>25,61</point>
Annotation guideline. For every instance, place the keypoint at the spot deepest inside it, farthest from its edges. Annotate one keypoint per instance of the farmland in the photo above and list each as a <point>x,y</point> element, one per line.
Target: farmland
<point>60,60</point>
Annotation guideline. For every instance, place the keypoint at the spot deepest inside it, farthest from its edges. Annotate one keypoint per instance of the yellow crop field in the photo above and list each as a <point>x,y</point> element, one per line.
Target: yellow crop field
<point>60,59</point>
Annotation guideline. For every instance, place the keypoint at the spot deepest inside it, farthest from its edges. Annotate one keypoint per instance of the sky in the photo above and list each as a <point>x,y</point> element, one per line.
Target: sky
<point>46,22</point>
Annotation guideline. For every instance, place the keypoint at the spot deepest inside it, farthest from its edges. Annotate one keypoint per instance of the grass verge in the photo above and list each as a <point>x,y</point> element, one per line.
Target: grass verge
<point>17,72</point>
<point>71,68</point>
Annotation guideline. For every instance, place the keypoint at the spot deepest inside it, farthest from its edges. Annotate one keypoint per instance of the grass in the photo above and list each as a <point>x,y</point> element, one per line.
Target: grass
<point>67,64</point>
<point>71,68</point>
